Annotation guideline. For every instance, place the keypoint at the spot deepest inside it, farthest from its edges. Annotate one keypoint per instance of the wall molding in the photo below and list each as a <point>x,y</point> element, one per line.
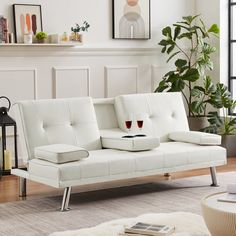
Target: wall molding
<point>34,51</point>
<point>56,70</point>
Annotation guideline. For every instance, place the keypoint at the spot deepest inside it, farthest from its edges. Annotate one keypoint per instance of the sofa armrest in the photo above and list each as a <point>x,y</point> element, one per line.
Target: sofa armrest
<point>113,139</point>
<point>196,137</point>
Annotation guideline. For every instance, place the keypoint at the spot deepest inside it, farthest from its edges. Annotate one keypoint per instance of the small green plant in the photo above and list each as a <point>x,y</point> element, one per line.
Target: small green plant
<point>78,28</point>
<point>41,35</point>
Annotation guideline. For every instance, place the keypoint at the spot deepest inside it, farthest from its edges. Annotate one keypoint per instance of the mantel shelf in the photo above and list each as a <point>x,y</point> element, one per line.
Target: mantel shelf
<point>40,45</point>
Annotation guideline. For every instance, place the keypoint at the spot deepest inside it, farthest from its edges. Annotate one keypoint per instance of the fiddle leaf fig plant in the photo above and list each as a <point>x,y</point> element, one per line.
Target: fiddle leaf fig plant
<point>191,62</point>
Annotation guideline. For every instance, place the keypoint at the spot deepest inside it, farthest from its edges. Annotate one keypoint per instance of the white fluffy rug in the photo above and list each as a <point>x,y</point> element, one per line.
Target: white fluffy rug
<point>186,224</point>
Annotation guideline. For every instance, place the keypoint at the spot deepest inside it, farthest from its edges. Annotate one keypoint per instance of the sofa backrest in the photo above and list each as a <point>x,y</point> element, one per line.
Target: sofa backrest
<point>69,121</point>
<point>162,113</point>
<point>105,113</point>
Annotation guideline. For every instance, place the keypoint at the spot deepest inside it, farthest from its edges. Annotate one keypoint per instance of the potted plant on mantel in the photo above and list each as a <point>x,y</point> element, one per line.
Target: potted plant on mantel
<point>190,65</point>
<point>76,31</point>
<point>223,124</point>
<point>41,37</point>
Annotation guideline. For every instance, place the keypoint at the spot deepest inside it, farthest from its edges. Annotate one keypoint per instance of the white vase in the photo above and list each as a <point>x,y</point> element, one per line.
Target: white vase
<point>28,38</point>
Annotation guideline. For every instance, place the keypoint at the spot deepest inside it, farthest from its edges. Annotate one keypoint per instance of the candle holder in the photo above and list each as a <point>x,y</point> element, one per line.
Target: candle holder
<point>7,121</point>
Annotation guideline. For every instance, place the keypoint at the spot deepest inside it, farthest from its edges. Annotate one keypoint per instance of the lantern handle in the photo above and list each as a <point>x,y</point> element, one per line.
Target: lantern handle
<point>9,102</point>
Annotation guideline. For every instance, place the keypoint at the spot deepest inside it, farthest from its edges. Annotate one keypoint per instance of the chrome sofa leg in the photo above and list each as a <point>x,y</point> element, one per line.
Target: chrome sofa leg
<point>213,177</point>
<point>66,199</point>
<point>22,187</point>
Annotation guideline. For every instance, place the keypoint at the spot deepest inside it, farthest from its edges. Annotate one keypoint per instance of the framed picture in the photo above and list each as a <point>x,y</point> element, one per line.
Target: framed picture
<point>131,19</point>
<point>27,19</point>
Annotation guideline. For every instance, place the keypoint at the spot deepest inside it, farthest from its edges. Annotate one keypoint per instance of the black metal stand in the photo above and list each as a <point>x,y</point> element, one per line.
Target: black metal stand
<point>7,121</point>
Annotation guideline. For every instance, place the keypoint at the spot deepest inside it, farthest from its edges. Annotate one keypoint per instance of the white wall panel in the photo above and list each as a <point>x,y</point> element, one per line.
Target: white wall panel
<point>121,80</point>
<point>71,82</point>
<point>18,83</point>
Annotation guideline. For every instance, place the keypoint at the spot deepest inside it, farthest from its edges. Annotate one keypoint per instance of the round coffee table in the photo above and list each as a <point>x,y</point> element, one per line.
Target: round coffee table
<point>220,217</point>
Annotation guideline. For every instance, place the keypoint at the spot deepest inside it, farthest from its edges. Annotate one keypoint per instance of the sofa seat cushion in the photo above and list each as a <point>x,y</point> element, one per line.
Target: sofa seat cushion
<point>196,137</point>
<point>115,139</point>
<point>60,153</point>
<point>108,164</point>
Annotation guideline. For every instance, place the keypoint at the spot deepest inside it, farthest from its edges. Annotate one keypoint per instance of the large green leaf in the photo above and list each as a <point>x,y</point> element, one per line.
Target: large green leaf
<point>177,32</point>
<point>176,83</point>
<point>161,87</point>
<point>167,31</point>
<point>208,49</point>
<point>170,49</point>
<point>197,107</point>
<point>222,97</point>
<point>188,35</point>
<point>180,63</point>
<point>214,29</point>
<point>181,26</point>
<point>191,75</point>
<point>190,19</point>
<point>209,86</point>
<point>164,42</point>
<point>163,50</point>
<point>197,92</point>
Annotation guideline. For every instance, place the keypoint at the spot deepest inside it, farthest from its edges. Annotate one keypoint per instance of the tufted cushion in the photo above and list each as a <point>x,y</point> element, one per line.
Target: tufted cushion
<point>69,121</point>
<point>162,113</point>
<point>196,137</point>
<point>60,153</point>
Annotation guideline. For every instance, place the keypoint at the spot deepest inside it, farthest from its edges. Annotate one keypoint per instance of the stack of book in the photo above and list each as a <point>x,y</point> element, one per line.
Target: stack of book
<point>141,229</point>
<point>230,196</point>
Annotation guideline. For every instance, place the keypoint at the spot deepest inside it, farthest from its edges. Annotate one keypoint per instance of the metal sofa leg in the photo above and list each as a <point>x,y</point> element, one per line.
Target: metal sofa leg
<point>66,199</point>
<point>213,177</point>
<point>22,187</point>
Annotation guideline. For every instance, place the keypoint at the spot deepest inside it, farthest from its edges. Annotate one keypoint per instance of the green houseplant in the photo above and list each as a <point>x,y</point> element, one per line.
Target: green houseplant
<point>223,124</point>
<point>41,36</point>
<point>191,62</point>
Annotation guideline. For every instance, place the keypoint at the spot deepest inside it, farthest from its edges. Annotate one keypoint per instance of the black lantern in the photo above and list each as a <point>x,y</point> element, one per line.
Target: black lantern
<point>6,121</point>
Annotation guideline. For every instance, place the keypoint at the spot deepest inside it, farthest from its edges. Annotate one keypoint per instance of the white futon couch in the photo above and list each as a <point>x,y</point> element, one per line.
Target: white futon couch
<point>77,141</point>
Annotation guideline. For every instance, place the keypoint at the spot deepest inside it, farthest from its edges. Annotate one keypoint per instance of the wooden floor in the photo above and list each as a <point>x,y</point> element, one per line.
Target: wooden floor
<point>9,184</point>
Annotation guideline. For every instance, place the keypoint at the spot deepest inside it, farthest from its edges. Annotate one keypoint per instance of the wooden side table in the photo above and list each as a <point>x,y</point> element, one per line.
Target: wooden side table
<point>220,217</point>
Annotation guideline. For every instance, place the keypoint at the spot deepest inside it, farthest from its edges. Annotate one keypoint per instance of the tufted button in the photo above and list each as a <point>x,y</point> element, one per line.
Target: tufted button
<point>151,116</point>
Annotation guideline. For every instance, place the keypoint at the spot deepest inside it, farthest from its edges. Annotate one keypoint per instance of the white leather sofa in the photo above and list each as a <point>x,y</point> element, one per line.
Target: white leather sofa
<point>97,126</point>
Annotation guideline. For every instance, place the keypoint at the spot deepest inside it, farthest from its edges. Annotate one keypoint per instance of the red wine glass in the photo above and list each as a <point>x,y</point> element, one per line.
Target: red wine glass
<point>140,124</point>
<point>128,124</point>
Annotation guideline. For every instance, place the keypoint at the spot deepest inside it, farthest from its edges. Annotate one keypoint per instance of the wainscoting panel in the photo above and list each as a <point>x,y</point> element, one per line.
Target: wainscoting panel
<point>18,83</point>
<point>121,80</point>
<point>71,82</point>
